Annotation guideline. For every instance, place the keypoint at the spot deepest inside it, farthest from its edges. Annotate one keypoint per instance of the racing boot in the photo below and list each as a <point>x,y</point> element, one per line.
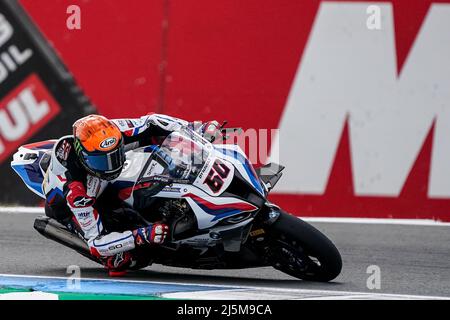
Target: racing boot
<point>118,264</point>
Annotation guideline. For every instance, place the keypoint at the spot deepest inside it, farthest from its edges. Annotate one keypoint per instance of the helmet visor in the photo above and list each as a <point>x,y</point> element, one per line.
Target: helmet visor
<point>106,162</point>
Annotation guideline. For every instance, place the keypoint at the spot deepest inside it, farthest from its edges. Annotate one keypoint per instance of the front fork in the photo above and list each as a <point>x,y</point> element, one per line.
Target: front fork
<point>259,233</point>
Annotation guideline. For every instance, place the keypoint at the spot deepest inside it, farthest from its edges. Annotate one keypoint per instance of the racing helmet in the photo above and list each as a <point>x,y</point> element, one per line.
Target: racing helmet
<point>99,146</point>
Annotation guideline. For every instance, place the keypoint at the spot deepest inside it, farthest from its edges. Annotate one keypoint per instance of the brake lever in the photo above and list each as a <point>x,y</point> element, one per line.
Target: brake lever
<point>222,126</point>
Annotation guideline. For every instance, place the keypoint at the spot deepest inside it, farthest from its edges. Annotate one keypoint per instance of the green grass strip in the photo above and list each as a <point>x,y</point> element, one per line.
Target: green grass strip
<point>87,296</point>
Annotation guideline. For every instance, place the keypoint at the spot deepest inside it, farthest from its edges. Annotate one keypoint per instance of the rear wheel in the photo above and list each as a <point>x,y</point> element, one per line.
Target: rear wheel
<point>302,251</point>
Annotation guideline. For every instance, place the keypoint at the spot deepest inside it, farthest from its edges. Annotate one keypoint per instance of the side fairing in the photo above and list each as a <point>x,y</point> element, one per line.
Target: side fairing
<point>215,176</point>
<point>235,155</point>
<point>209,210</point>
<point>208,206</point>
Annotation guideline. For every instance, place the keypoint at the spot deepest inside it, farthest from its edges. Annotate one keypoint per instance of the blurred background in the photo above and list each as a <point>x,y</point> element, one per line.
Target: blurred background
<point>360,91</point>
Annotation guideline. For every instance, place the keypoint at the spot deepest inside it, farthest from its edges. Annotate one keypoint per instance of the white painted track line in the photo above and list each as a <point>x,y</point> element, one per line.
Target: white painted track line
<point>22,210</point>
<point>407,222</point>
<point>282,294</point>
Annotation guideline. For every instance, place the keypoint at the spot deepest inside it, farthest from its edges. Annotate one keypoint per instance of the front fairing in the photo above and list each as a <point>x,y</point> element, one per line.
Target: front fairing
<point>181,157</point>
<point>217,185</point>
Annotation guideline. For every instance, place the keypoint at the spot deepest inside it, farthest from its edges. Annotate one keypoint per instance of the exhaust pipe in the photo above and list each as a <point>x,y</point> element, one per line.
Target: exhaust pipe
<point>55,231</point>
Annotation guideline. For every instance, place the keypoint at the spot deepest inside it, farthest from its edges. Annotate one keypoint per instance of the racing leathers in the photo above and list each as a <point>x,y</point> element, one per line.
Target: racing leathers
<point>71,192</point>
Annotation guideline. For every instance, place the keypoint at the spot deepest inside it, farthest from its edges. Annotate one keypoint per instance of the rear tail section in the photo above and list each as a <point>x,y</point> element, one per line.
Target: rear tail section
<point>30,162</point>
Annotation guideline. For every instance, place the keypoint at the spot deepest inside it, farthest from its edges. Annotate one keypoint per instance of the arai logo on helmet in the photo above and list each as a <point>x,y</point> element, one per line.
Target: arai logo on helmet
<point>108,143</point>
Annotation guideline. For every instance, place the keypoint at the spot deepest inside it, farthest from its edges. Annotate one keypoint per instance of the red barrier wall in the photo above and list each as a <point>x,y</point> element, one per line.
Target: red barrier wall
<point>115,56</point>
<point>233,60</point>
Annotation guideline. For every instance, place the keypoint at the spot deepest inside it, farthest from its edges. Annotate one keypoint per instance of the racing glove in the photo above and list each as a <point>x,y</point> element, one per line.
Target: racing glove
<point>155,233</point>
<point>210,130</point>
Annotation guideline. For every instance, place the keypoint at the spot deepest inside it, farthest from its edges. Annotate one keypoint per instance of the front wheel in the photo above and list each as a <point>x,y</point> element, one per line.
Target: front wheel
<point>302,251</point>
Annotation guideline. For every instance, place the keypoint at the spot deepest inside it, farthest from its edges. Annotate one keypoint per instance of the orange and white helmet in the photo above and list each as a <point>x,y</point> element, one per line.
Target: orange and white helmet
<point>99,146</point>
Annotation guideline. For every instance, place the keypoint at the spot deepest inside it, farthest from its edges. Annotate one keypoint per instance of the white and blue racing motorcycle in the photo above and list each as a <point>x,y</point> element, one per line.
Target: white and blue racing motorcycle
<point>213,200</point>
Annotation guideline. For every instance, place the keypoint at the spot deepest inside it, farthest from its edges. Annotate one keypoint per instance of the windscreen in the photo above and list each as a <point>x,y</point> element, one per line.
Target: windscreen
<point>185,154</point>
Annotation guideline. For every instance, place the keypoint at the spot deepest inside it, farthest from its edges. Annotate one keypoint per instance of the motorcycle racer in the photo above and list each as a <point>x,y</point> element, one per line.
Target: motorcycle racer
<point>83,164</point>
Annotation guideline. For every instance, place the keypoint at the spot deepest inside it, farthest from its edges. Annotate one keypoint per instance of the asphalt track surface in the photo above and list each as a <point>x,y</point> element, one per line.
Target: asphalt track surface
<point>413,260</point>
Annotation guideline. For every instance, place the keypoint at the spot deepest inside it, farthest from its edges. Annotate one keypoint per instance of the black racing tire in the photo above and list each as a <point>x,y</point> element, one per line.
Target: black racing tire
<point>309,242</point>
